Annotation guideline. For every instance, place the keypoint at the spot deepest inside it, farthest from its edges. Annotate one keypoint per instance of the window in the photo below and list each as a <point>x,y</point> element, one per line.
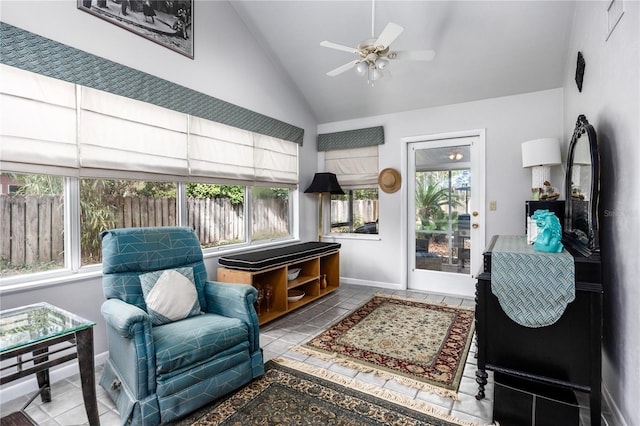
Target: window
<point>33,220</point>
<point>121,203</point>
<point>269,213</point>
<point>357,171</point>
<point>32,238</point>
<point>355,212</point>
<point>216,213</point>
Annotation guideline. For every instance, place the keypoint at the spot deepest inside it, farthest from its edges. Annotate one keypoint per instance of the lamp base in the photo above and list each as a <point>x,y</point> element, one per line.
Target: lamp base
<point>540,174</point>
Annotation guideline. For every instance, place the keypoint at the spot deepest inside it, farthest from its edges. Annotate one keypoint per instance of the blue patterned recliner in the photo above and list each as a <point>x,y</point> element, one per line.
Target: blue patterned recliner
<point>156,374</point>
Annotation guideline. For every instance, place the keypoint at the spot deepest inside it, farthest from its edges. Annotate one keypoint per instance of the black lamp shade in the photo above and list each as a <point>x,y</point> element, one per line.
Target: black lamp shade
<point>324,182</point>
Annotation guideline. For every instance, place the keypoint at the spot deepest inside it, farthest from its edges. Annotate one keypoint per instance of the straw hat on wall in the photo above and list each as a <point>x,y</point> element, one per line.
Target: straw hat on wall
<point>389,180</point>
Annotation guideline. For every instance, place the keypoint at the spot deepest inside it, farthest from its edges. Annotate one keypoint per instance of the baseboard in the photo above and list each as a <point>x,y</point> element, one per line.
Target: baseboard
<point>616,415</point>
<point>369,283</point>
<point>29,385</point>
<point>394,286</point>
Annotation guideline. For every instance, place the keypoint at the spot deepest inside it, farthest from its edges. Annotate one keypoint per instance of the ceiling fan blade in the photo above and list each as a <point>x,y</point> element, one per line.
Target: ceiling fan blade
<point>389,34</point>
<point>416,55</point>
<point>337,46</point>
<point>342,68</point>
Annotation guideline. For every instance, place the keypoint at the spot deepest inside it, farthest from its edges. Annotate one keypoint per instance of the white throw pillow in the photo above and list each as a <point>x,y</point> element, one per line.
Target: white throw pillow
<point>170,295</point>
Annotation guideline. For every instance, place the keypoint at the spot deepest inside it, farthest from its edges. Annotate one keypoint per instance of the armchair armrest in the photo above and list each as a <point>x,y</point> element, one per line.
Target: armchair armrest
<point>131,346</point>
<point>123,317</point>
<point>235,301</point>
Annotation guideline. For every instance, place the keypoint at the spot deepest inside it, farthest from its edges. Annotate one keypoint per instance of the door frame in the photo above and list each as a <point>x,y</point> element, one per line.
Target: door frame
<point>476,203</point>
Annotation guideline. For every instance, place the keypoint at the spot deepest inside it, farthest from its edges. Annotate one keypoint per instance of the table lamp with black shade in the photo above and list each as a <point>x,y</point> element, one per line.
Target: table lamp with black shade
<point>323,183</point>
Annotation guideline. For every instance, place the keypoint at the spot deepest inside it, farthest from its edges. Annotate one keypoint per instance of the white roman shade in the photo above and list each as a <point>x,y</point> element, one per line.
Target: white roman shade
<point>239,155</point>
<point>120,134</point>
<point>354,168</point>
<point>37,123</point>
<point>49,126</point>
<point>276,160</point>
<point>221,151</point>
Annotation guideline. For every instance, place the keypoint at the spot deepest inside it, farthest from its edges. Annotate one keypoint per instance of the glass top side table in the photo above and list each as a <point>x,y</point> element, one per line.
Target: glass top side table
<point>36,337</point>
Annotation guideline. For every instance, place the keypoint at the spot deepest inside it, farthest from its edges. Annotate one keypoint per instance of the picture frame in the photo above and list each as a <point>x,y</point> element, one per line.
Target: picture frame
<point>168,23</point>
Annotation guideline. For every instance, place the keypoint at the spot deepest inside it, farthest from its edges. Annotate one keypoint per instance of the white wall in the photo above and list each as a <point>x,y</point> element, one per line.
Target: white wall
<point>610,99</point>
<point>228,64</point>
<point>508,121</point>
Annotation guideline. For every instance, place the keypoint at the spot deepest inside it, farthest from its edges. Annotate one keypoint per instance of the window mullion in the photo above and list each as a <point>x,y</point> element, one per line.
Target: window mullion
<point>181,203</point>
<point>72,258</point>
<point>293,218</point>
<point>350,209</point>
<point>248,222</point>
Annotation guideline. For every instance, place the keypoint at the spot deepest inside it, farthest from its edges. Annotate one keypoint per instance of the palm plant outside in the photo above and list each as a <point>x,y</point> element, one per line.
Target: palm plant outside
<point>434,202</point>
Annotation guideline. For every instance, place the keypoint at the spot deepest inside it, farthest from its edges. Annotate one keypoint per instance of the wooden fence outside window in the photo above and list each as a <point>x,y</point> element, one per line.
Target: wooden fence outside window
<point>32,225</point>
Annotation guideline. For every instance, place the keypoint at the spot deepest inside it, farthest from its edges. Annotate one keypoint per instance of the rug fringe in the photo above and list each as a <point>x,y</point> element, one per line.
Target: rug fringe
<point>380,373</point>
<point>373,390</point>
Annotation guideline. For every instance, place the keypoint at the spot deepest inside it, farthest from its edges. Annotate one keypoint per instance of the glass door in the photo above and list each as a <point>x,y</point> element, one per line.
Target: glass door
<point>445,237</point>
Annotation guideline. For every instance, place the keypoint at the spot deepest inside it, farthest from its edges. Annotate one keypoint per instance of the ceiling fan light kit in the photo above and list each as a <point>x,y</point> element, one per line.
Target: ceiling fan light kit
<point>375,54</point>
<point>381,63</point>
<point>362,68</point>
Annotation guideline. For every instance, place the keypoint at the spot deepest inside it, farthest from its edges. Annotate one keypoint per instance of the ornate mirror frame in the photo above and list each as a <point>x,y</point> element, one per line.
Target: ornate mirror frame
<point>582,187</point>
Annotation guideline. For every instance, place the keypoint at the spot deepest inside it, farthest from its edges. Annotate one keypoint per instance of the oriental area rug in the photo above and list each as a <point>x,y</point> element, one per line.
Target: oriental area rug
<point>287,396</point>
<point>418,344</point>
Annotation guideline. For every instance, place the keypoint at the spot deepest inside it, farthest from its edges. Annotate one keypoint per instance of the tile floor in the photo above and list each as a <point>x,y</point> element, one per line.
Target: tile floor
<point>276,338</point>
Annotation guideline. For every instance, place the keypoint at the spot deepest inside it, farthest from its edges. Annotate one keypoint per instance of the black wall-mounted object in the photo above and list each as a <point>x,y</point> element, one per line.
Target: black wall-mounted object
<point>580,71</point>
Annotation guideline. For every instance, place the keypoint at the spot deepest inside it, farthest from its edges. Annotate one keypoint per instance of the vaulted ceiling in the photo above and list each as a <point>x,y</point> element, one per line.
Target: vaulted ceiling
<point>484,49</point>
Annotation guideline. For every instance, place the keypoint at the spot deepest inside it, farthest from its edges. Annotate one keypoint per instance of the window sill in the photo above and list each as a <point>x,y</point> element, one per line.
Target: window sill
<point>352,236</point>
<point>19,283</point>
<point>225,250</point>
<point>53,279</point>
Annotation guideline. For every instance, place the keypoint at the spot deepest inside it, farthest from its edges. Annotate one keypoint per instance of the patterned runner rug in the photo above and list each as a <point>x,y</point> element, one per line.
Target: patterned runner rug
<point>288,396</point>
<point>419,344</point>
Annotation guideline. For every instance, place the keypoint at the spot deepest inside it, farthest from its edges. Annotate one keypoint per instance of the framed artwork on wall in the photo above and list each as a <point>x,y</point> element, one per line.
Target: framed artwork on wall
<point>168,23</point>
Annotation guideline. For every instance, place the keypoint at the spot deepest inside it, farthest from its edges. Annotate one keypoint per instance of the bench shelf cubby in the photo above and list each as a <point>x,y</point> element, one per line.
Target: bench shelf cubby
<point>315,270</point>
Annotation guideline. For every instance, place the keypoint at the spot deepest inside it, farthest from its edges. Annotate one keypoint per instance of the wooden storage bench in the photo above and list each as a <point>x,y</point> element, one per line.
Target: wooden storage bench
<point>262,268</point>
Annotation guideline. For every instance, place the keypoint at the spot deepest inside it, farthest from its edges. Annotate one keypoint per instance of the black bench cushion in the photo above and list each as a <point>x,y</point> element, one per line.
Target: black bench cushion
<point>264,259</point>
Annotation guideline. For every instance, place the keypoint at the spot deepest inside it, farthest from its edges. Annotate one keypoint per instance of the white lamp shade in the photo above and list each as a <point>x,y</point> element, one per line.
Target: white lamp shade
<point>541,152</point>
<point>362,67</point>
<point>381,63</point>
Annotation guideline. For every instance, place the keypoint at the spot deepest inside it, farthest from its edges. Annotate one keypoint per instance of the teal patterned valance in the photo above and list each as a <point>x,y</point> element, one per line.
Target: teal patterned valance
<point>348,139</point>
<point>31,52</point>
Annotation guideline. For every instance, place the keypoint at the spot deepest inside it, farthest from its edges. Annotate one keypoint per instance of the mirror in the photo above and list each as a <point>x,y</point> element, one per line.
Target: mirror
<point>582,183</point>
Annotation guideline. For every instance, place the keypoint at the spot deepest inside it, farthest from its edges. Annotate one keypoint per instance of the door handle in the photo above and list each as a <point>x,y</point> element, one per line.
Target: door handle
<point>474,225</point>
<point>475,213</point>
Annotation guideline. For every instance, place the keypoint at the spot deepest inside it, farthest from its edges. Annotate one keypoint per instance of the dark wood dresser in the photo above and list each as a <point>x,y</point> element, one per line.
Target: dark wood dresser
<point>566,353</point>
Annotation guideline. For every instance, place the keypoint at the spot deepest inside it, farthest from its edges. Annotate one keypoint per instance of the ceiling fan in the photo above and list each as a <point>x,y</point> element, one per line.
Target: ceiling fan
<point>374,53</point>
